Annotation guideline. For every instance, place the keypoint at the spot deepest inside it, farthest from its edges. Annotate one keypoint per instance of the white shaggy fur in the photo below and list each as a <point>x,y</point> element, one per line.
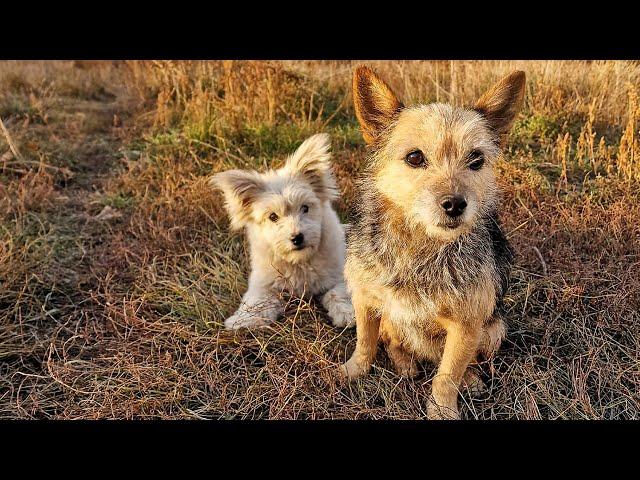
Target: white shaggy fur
<point>273,208</point>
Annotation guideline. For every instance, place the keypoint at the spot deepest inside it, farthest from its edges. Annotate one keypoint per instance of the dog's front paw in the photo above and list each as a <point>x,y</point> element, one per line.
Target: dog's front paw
<point>435,411</point>
<point>353,369</point>
<point>443,403</point>
<point>339,307</point>
<point>343,315</point>
<point>234,322</point>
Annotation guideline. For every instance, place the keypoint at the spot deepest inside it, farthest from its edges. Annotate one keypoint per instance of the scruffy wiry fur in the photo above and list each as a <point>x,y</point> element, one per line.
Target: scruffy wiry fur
<point>430,286</point>
<point>273,208</point>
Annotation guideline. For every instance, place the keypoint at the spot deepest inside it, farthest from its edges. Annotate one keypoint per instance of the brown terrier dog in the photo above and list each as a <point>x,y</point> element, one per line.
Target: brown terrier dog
<point>427,263</point>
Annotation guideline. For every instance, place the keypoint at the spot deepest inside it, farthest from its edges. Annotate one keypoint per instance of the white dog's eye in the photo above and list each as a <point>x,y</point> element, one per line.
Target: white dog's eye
<point>273,217</point>
<point>304,209</point>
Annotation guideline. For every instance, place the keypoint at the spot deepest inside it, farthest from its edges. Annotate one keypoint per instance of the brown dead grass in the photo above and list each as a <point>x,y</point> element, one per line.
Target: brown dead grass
<point>121,317</point>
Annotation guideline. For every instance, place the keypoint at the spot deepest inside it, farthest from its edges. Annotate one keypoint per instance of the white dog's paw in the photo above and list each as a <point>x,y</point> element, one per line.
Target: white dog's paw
<point>234,322</point>
<point>342,315</point>
<point>338,305</point>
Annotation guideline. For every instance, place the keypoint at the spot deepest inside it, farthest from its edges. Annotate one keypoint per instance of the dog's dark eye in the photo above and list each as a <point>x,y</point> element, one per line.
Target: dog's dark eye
<point>273,217</point>
<point>415,159</point>
<point>304,209</point>
<point>477,160</point>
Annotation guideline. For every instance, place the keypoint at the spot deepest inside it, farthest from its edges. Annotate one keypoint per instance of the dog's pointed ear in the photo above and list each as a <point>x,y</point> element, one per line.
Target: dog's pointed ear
<point>375,103</point>
<point>312,161</point>
<point>240,189</point>
<point>500,105</point>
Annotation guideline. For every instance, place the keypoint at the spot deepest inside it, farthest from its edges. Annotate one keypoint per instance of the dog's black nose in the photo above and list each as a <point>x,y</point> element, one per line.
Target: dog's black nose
<point>453,205</point>
<point>297,239</point>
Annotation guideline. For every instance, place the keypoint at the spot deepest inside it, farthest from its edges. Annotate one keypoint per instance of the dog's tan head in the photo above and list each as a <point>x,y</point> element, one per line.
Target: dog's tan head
<point>435,162</point>
<point>283,207</point>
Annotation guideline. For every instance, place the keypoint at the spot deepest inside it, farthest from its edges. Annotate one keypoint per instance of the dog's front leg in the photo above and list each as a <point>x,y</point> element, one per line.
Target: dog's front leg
<point>259,307</point>
<point>338,305</point>
<point>460,348</point>
<point>367,332</point>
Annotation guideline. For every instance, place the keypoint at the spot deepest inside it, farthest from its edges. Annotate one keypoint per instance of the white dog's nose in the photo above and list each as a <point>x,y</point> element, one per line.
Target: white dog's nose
<point>297,239</point>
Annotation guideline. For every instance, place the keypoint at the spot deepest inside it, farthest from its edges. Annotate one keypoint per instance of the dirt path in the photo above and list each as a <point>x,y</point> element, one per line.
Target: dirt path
<point>81,140</point>
<point>91,145</point>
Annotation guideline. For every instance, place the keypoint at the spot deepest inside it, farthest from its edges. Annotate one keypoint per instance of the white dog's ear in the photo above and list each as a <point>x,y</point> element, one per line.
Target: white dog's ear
<point>312,161</point>
<point>240,189</point>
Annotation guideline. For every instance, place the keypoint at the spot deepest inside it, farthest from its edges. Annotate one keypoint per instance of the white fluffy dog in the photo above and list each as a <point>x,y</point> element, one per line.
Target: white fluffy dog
<point>297,242</point>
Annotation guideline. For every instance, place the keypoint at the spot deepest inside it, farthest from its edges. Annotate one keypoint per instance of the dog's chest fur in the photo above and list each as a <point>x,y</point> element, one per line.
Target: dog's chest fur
<point>313,276</point>
<point>415,279</point>
<point>309,278</point>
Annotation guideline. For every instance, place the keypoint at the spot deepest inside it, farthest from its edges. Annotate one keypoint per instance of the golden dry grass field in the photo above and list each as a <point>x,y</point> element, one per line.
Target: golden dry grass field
<point>117,266</point>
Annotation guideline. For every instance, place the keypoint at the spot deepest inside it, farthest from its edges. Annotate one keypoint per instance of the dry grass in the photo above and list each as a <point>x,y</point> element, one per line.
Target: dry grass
<point>118,315</point>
